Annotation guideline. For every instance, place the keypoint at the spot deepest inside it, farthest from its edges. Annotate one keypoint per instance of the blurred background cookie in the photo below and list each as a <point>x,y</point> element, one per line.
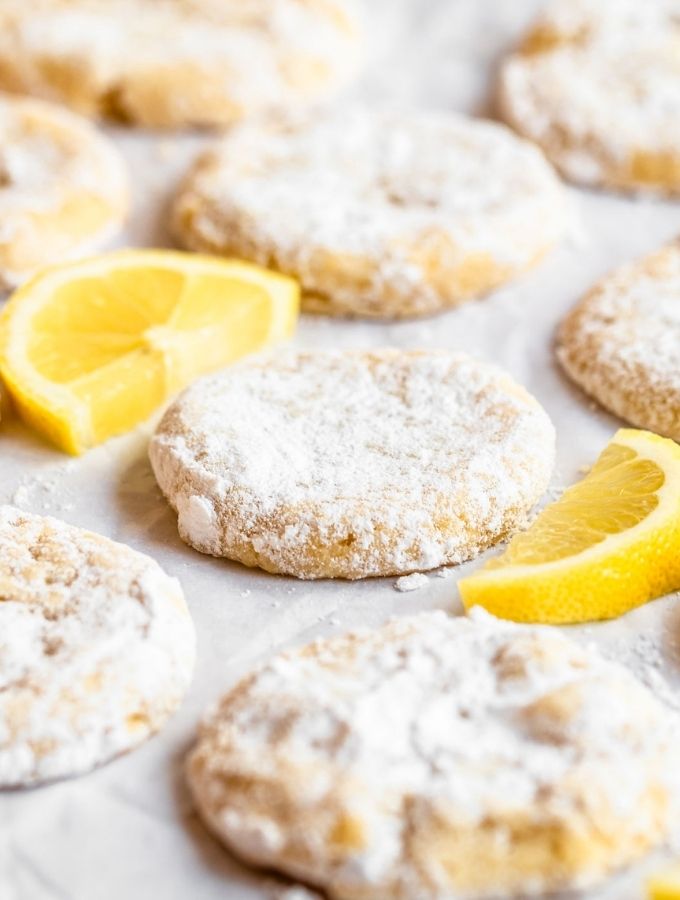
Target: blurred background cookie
<point>171,63</point>
<point>378,213</point>
<point>597,85</point>
<point>63,187</point>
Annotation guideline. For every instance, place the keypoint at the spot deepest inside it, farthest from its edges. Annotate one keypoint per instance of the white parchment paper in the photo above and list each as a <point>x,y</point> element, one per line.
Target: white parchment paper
<point>128,831</point>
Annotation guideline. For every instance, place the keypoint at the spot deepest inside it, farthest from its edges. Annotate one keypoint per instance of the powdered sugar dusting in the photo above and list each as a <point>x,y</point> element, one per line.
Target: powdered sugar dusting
<point>472,724</point>
<point>353,464</point>
<point>375,209</point>
<point>96,648</point>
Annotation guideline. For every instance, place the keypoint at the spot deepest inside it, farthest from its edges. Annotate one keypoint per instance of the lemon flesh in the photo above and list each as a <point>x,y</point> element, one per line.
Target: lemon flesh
<point>89,350</point>
<point>609,544</point>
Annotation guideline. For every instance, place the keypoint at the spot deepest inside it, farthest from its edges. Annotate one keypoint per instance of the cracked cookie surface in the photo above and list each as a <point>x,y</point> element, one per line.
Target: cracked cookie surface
<point>439,758</point>
<point>96,648</point>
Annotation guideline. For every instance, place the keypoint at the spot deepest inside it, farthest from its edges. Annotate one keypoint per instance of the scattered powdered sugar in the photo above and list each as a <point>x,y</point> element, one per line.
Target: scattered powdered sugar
<point>21,495</point>
<point>413,582</point>
<point>554,492</point>
<point>621,343</point>
<point>645,658</point>
<point>96,648</point>
<point>598,86</point>
<point>472,723</point>
<point>353,463</point>
<point>364,205</point>
<point>44,490</point>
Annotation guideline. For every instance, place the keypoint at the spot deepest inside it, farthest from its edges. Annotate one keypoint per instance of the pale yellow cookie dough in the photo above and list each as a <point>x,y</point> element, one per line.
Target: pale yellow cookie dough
<point>353,464</point>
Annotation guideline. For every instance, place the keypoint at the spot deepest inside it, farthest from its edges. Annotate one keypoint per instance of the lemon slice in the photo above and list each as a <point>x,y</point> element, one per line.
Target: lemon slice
<point>88,350</point>
<point>610,543</point>
<point>665,885</point>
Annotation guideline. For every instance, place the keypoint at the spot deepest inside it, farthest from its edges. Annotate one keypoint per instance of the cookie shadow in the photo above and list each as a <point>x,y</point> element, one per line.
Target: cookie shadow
<point>143,508</point>
<point>150,524</point>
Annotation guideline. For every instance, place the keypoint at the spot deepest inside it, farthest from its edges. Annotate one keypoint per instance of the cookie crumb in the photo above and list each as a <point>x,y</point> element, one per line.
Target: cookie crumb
<point>413,582</point>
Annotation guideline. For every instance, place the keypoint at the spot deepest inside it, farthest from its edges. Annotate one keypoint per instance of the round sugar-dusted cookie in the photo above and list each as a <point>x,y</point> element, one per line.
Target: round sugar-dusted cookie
<point>63,187</point>
<point>621,342</point>
<point>597,86</point>
<point>96,648</point>
<point>171,63</point>
<point>439,758</point>
<point>378,213</point>
<point>353,464</point>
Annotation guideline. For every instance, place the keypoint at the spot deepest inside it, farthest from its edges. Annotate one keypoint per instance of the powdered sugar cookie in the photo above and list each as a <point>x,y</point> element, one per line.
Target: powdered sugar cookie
<point>96,648</point>
<point>378,213</point>
<point>621,343</point>
<point>63,187</point>
<point>171,63</point>
<point>597,85</point>
<point>352,464</point>
<point>439,758</point>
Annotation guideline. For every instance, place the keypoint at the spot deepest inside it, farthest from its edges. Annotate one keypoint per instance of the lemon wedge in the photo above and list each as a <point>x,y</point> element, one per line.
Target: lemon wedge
<point>665,885</point>
<point>88,350</point>
<point>610,543</point>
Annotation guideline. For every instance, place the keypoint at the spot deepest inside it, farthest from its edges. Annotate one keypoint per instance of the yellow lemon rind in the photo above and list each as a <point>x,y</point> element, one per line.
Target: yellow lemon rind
<point>621,572</point>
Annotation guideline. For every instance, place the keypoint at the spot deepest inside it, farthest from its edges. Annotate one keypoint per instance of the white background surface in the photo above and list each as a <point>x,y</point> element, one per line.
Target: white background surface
<point>127,831</point>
